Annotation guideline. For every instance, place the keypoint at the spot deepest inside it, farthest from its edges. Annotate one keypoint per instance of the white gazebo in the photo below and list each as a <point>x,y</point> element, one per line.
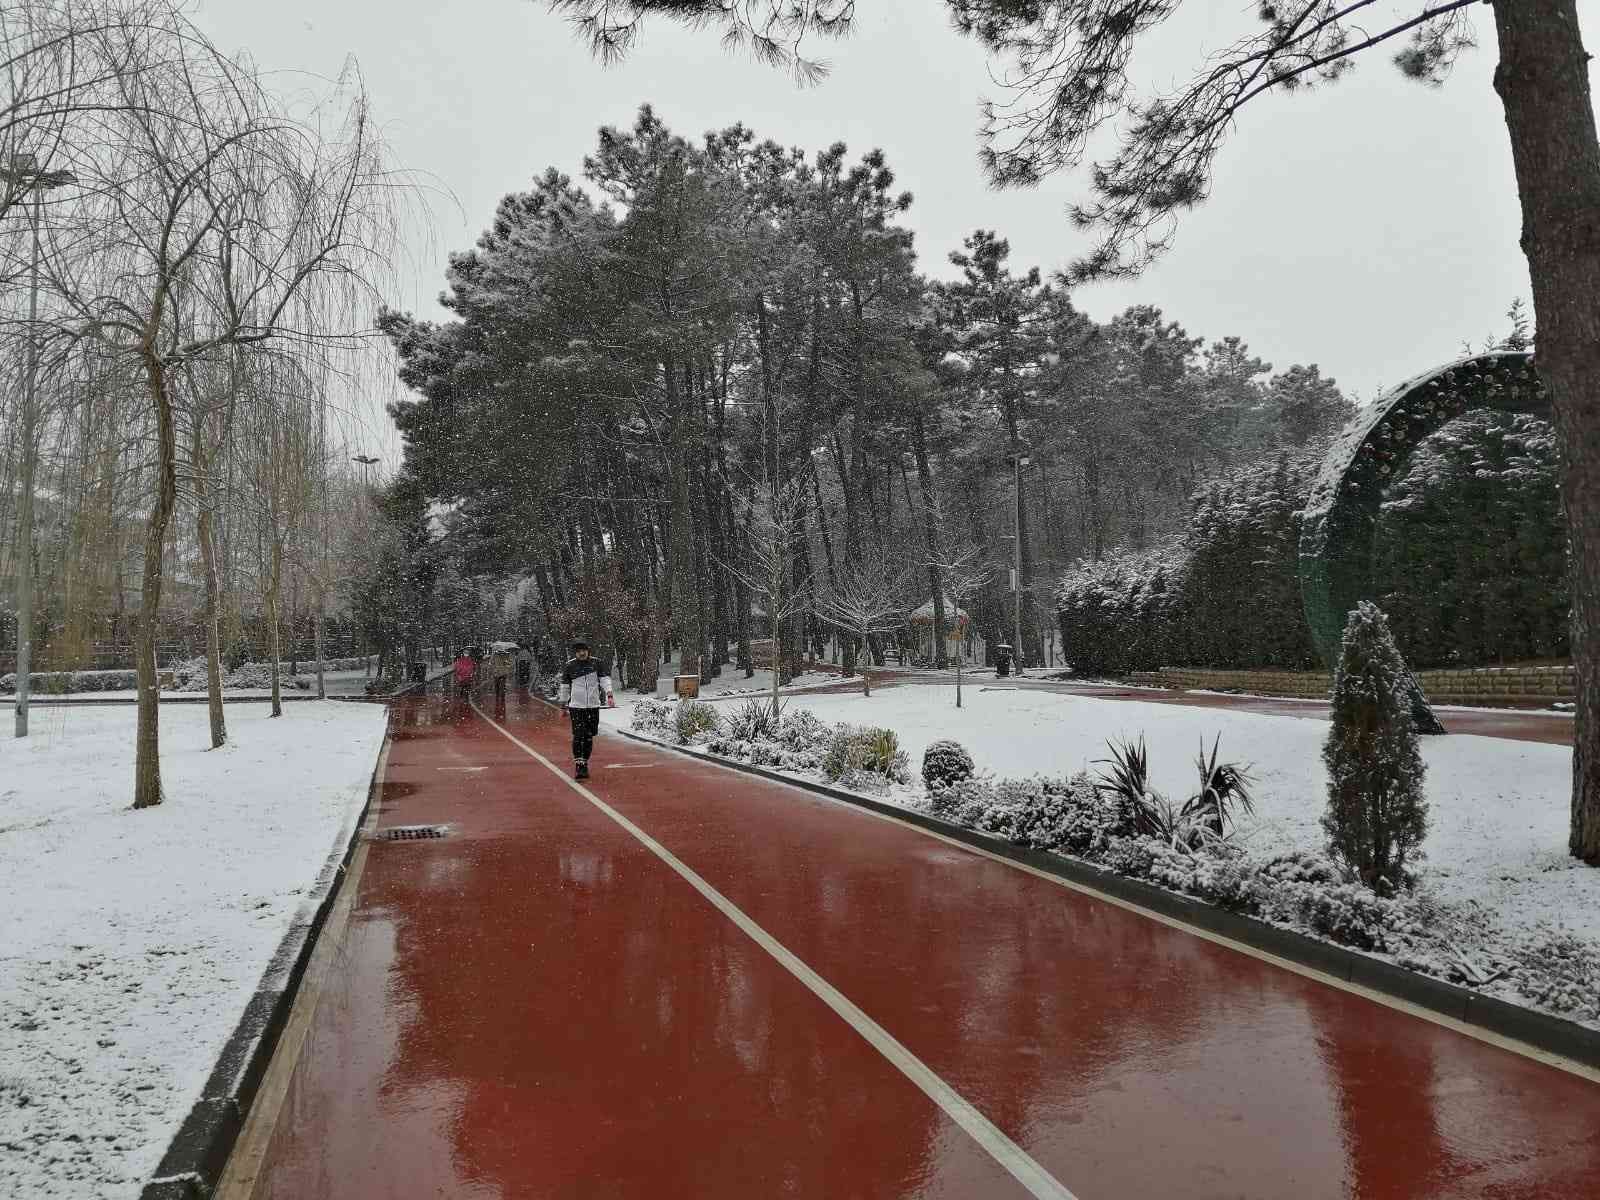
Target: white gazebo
<point>955,629</point>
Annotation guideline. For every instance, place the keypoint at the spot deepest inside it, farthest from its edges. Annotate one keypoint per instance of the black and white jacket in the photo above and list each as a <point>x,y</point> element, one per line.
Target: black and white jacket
<point>585,683</point>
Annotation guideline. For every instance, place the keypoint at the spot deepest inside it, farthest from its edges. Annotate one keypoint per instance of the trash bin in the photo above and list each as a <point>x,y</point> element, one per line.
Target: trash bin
<point>419,672</point>
<point>1002,661</point>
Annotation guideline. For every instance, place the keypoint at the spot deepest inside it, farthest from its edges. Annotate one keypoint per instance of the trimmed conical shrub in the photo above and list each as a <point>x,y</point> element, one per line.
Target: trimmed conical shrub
<point>1377,815</point>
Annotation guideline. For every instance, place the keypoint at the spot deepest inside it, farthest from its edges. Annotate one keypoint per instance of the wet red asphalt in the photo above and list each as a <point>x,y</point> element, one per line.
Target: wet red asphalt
<point>538,1006</point>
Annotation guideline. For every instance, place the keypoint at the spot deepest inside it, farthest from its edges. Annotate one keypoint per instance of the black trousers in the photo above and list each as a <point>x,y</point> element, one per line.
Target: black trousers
<point>585,724</point>
<point>500,689</point>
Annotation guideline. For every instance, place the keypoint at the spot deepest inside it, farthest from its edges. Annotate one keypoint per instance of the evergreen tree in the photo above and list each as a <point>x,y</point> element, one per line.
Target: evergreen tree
<point>1377,815</point>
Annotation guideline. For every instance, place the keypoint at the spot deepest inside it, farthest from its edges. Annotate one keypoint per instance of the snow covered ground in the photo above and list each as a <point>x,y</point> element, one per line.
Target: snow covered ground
<point>130,942</point>
<point>732,683</point>
<point>1498,809</point>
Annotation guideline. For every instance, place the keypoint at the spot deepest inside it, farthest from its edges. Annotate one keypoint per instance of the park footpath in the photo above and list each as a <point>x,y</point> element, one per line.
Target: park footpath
<point>679,980</point>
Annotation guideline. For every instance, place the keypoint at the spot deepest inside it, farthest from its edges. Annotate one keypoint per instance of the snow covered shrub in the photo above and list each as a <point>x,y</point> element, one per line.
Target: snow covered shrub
<point>652,716</point>
<point>963,801</point>
<point>945,761</point>
<point>190,675</point>
<point>1302,866</point>
<point>1377,816</point>
<point>802,729</point>
<point>695,717</point>
<point>1562,974</point>
<point>1142,811</point>
<point>1047,813</point>
<point>1131,856</point>
<point>1349,914</point>
<point>856,750</point>
<point>1223,787</point>
<point>753,720</point>
<point>61,683</point>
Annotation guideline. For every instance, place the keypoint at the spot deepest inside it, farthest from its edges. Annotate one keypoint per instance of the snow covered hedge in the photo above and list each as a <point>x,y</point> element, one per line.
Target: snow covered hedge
<point>61,683</point>
<point>800,742</point>
<point>1225,593</point>
<point>189,676</point>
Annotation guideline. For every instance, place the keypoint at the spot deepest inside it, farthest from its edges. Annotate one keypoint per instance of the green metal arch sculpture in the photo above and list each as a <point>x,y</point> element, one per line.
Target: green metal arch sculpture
<point>1341,514</point>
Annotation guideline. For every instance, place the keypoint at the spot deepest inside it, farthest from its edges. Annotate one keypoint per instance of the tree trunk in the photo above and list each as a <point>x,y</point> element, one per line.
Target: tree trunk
<point>1543,82</point>
<point>208,559</point>
<point>316,639</point>
<point>919,447</point>
<point>274,586</point>
<point>147,744</point>
<point>685,603</point>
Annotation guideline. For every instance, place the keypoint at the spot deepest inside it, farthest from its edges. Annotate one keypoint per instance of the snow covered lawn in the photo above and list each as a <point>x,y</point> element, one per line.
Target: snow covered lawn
<point>130,942</point>
<point>731,683</point>
<point>1498,809</point>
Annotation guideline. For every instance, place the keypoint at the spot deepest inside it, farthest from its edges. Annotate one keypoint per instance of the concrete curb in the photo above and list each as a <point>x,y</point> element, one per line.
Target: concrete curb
<point>1535,1029</point>
<point>199,1151</point>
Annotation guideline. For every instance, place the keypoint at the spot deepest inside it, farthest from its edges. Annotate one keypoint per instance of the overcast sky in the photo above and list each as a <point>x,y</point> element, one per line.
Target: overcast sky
<point>1368,228</point>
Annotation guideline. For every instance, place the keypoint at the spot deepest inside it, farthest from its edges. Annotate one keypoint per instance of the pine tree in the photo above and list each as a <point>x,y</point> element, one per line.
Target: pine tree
<point>1377,816</point>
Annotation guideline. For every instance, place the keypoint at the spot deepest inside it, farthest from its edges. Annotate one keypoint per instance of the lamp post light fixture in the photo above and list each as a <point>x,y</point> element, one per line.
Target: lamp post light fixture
<point>22,171</point>
<point>367,461</point>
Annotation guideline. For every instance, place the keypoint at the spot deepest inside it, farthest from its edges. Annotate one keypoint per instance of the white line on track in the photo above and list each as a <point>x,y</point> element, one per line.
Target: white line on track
<point>1021,1165</point>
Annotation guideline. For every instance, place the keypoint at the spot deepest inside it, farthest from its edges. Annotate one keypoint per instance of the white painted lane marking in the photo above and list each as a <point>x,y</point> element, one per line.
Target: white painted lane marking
<point>465,770</point>
<point>629,766</point>
<point>1476,1032</point>
<point>1017,1161</point>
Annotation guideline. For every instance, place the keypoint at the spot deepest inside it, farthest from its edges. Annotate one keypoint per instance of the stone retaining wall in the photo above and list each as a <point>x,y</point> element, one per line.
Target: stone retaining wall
<point>1508,687</point>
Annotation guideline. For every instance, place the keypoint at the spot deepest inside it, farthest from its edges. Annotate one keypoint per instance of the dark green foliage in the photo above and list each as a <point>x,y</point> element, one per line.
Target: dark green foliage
<point>1469,558</point>
<point>945,762</point>
<point>1377,816</point>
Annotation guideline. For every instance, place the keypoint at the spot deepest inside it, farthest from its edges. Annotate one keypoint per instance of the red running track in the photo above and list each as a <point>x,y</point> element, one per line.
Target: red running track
<point>539,1006</point>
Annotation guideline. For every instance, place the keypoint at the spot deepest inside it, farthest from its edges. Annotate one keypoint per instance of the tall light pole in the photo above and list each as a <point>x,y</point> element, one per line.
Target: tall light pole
<point>23,169</point>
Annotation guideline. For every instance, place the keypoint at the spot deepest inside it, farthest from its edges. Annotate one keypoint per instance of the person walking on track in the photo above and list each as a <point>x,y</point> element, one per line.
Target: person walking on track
<point>524,667</point>
<point>501,662</point>
<point>585,688</point>
<point>466,669</point>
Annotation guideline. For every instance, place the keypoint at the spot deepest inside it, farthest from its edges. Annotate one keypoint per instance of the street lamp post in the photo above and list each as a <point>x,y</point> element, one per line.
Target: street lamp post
<point>22,169</point>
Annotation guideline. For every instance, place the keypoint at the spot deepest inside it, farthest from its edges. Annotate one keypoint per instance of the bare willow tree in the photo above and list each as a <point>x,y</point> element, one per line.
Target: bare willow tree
<point>207,219</point>
<point>867,599</point>
<point>766,571</point>
<point>285,463</point>
<point>960,570</point>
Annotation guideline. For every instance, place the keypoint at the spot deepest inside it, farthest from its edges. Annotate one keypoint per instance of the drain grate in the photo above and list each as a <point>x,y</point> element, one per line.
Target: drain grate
<point>408,833</point>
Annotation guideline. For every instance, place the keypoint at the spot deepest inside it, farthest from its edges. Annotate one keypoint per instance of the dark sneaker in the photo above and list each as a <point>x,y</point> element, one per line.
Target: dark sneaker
<point>583,769</point>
